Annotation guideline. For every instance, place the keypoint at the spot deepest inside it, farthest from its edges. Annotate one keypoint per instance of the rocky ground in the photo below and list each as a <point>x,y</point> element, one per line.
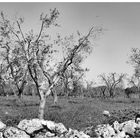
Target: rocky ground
<point>127,129</point>
<point>121,124</point>
<point>36,128</point>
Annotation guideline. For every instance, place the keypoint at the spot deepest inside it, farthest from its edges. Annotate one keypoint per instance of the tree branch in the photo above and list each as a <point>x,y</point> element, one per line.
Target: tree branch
<point>21,31</point>
<point>41,29</point>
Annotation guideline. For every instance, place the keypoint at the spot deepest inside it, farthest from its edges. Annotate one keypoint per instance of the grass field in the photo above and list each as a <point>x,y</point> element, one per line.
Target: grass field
<point>73,112</point>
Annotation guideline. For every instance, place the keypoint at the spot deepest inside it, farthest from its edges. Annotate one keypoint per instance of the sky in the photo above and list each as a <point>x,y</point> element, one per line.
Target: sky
<point>112,49</point>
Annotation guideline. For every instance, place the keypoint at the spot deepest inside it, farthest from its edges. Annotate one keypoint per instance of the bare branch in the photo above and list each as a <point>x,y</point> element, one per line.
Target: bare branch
<point>21,31</point>
<point>41,29</point>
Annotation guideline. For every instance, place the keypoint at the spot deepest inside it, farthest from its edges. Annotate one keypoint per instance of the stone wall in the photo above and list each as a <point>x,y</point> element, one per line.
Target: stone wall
<point>36,128</point>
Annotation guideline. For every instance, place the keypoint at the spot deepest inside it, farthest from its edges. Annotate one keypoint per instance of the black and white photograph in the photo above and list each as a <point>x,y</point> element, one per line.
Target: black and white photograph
<point>69,69</point>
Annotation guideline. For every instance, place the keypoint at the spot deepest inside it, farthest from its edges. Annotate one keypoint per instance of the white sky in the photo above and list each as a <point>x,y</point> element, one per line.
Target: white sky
<point>121,21</point>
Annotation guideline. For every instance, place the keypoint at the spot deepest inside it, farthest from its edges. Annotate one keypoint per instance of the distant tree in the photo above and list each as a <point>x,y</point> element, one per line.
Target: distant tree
<point>130,90</point>
<point>135,57</point>
<point>72,79</point>
<point>102,90</point>
<point>112,80</point>
<point>12,56</point>
<point>133,81</point>
<point>70,83</point>
<point>90,84</point>
<point>90,91</point>
<point>135,61</point>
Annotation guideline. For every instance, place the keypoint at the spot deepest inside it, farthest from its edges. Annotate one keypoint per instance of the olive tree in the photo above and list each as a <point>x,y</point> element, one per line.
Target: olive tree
<point>111,81</point>
<point>72,79</point>
<point>74,52</point>
<point>34,54</point>
<point>12,54</point>
<point>133,81</point>
<point>135,61</point>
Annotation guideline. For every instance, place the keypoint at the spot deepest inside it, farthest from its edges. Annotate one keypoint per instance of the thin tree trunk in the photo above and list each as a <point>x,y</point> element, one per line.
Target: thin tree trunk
<point>38,92</point>
<point>138,85</point>
<point>111,93</point>
<point>43,94</point>
<point>42,106</point>
<point>3,90</point>
<point>104,93</point>
<point>65,90</point>
<point>55,98</point>
<point>20,94</point>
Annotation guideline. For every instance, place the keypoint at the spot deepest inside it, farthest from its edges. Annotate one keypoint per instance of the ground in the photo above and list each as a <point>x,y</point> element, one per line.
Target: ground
<point>76,113</point>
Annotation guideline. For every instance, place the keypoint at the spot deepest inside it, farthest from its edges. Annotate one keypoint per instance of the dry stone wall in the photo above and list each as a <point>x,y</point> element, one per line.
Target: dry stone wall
<point>36,128</point>
<point>127,129</point>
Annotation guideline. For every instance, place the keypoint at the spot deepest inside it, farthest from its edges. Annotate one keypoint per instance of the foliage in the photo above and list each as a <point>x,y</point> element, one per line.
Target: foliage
<point>33,56</point>
<point>135,61</point>
<point>12,53</point>
<point>132,90</point>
